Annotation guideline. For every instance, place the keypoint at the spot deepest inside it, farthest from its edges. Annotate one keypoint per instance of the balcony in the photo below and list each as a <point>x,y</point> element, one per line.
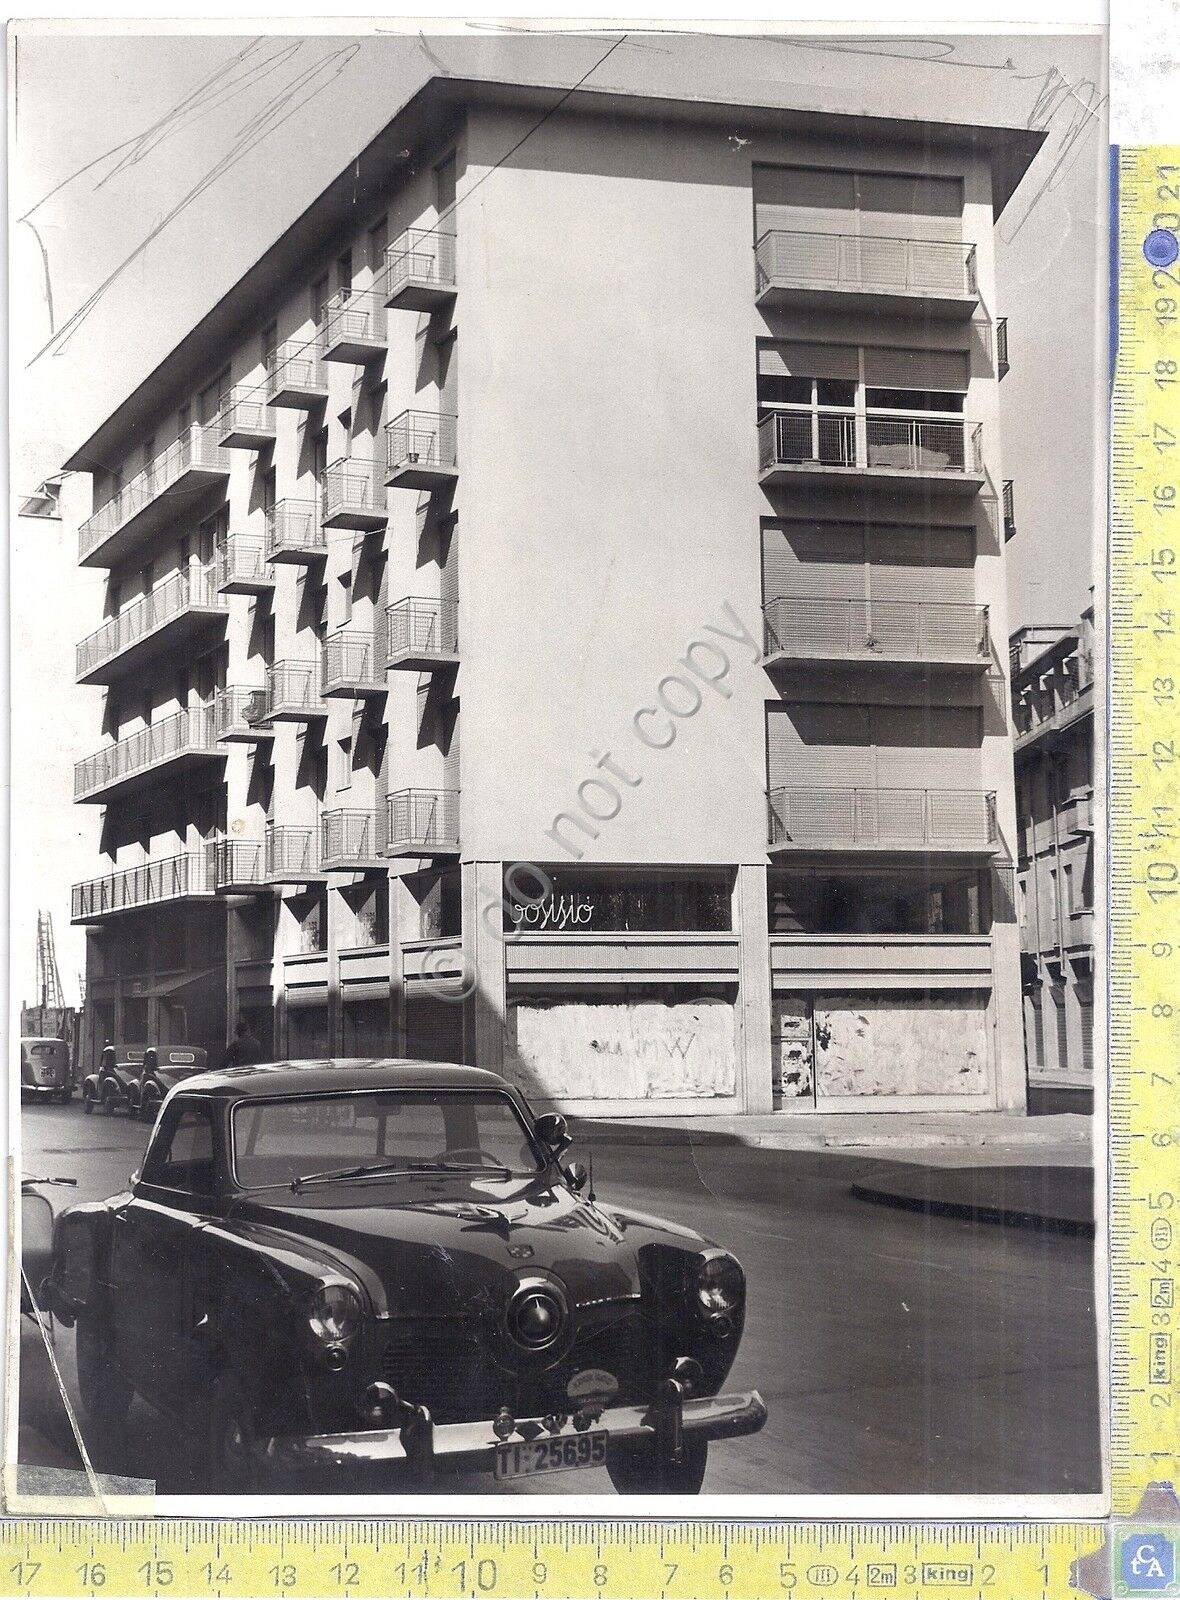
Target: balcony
<point>1009,511</point>
<point>423,635</point>
<point>194,463</point>
<point>420,270</point>
<point>353,496</point>
<point>804,445</point>
<point>292,693</point>
<point>237,715</point>
<point>238,867</point>
<point>181,877</point>
<point>352,841</point>
<point>1002,367</point>
<point>1077,814</point>
<point>925,277</point>
<point>295,376</point>
<point>422,450</point>
<point>184,609</point>
<point>241,567</point>
<point>423,822</point>
<point>899,634</point>
<point>291,855</point>
<point>294,533</point>
<point>1051,720</point>
<point>172,748</point>
<point>353,665</point>
<point>354,327</point>
<point>246,421</point>
<point>942,821</point>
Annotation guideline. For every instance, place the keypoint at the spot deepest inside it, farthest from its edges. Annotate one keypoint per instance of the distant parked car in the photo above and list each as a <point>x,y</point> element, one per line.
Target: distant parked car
<point>108,1088</point>
<point>162,1069</point>
<point>46,1070</point>
<point>387,1268</point>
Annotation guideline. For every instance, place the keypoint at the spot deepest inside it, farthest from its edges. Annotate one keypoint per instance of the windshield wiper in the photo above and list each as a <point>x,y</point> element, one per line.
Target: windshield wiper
<point>393,1169</point>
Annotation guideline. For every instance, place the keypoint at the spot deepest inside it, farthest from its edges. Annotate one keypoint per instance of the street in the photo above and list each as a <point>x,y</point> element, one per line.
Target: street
<point>897,1353</point>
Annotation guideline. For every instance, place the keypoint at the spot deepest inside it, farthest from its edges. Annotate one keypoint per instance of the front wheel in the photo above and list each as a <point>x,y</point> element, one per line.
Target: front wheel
<point>230,1433</point>
<point>635,1468</point>
<point>106,1396</point>
<point>108,1099</point>
<point>87,1099</point>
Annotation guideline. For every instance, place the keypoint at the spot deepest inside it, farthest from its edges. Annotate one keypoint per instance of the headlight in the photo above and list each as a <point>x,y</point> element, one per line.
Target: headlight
<point>721,1284</point>
<point>335,1313</point>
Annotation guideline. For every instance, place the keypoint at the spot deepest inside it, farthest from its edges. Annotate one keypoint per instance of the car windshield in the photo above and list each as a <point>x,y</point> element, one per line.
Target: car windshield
<point>379,1133</point>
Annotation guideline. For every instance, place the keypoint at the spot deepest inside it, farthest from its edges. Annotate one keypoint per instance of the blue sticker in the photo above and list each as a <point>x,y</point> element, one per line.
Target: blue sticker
<point>1161,247</point>
<point>1148,1564</point>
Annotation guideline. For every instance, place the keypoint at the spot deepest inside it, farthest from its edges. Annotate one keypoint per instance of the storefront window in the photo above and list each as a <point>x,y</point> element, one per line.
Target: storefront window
<point>595,901</point>
<point>948,902</point>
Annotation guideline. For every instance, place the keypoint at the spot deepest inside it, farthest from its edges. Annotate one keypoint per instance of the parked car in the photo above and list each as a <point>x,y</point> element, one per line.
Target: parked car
<point>162,1070</point>
<point>109,1087</point>
<point>387,1267</point>
<point>36,1240</point>
<point>46,1069</point>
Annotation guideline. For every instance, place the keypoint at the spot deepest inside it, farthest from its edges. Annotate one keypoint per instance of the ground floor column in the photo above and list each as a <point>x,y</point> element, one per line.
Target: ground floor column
<point>755,1085</point>
<point>484,967</point>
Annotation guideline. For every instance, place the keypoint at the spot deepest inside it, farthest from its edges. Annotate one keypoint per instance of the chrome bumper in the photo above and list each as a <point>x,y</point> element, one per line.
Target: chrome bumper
<point>471,1446</point>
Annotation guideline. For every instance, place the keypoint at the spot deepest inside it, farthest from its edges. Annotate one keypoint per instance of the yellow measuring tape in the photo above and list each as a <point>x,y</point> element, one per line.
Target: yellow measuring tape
<point>702,1559</point>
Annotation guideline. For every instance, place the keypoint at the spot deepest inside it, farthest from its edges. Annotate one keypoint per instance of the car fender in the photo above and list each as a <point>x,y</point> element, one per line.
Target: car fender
<point>79,1274</point>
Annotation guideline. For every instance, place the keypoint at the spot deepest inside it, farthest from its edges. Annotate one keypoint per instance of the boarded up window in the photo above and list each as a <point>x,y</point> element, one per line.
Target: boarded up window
<point>890,1043</point>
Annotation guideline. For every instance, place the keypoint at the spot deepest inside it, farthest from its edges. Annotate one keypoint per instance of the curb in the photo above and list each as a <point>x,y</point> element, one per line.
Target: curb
<point>1004,1216</point>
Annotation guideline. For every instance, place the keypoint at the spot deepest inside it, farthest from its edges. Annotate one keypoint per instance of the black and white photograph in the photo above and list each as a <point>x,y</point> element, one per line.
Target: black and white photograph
<point>556,607</point>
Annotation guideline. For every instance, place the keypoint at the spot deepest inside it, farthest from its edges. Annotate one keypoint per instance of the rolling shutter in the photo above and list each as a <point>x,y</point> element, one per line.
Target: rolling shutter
<point>927,747</point>
<point>808,199</point>
<point>814,560</point>
<point>923,564</point>
<point>887,368</point>
<point>897,205</point>
<point>784,358</point>
<point>822,746</point>
<point>434,1028</point>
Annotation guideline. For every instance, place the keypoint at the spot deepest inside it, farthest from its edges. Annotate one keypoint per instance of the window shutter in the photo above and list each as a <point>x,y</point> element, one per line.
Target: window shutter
<point>946,370</point>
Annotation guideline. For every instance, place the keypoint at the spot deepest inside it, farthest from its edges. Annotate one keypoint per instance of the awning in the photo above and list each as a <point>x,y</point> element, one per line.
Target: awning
<point>156,989</point>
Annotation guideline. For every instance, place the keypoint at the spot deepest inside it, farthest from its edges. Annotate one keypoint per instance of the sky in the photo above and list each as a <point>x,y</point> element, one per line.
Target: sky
<point>149,171</point>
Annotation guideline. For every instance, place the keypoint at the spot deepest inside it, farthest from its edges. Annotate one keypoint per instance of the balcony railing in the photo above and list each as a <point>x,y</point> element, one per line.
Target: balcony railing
<point>184,604</point>
<point>1077,814</point>
<point>353,664</point>
<point>294,532</point>
<point>1009,511</point>
<point>353,495</point>
<point>293,693</point>
<point>178,741</point>
<point>888,631</point>
<point>180,877</point>
<point>354,326</point>
<point>423,822</point>
<point>241,567</point>
<point>237,716</point>
<point>295,375</point>
<point>291,855</point>
<point>1002,367</point>
<point>352,839</point>
<point>422,634</point>
<point>420,269</point>
<point>246,422</point>
<point>932,274</point>
<point>144,504</point>
<point>908,447</point>
<point>422,450</point>
<point>882,819</point>
<point>238,866</point>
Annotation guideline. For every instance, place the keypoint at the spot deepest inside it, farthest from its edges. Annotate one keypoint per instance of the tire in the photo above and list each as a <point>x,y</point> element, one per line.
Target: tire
<point>106,1396</point>
<point>230,1431</point>
<point>87,1103</point>
<point>108,1099</point>
<point>634,1469</point>
<point>65,1096</point>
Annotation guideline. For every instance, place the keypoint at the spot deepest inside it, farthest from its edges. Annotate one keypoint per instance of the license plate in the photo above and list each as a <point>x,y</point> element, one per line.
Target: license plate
<point>524,1459</point>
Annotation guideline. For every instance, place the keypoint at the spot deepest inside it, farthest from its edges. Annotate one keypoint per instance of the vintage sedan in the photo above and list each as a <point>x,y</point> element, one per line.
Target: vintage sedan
<point>386,1271</point>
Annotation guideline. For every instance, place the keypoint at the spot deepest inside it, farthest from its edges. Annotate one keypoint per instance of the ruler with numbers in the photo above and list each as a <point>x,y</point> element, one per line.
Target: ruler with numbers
<point>729,1560</point>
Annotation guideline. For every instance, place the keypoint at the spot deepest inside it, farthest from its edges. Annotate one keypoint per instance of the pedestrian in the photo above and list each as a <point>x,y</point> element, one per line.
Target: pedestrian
<point>245,1050</point>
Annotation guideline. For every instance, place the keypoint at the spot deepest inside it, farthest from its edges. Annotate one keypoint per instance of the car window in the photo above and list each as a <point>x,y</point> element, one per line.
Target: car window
<point>181,1157</point>
<point>276,1141</point>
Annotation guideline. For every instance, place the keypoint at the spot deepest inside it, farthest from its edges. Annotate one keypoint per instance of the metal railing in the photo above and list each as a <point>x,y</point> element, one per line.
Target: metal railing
<point>426,819</point>
<point>242,560</point>
<point>237,711</point>
<point>351,485</point>
<point>294,526</point>
<point>901,630</point>
<point>293,686</point>
<point>856,818</point>
<point>290,852</point>
<point>196,447</point>
<point>786,256</point>
<point>422,438</point>
<point>420,627</point>
<point>352,838</point>
<point>176,877</point>
<point>923,444</point>
<point>296,365</point>
<point>354,316</point>
<point>790,438</point>
<point>237,863</point>
<point>193,586</point>
<point>423,254</point>
<point>353,660</point>
<point>188,732</point>
<point>245,411</point>
<point>1009,510</point>
<point>1002,367</point>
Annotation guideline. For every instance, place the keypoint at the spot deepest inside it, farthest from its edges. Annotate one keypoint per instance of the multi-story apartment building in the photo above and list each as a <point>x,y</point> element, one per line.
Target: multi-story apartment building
<point>1052,678</point>
<point>607,484</point>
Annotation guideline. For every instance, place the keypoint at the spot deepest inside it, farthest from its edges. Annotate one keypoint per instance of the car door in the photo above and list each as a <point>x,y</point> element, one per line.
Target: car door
<point>154,1257</point>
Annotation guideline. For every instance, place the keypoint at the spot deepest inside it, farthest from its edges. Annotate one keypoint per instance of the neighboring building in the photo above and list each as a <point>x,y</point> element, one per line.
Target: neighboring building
<point>725,371</point>
<point>1052,676</point>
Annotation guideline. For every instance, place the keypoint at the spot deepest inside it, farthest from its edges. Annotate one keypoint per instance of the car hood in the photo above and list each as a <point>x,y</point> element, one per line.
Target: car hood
<point>437,1246</point>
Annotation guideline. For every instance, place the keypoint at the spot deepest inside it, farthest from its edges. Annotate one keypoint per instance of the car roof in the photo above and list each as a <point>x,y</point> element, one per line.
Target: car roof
<point>278,1078</point>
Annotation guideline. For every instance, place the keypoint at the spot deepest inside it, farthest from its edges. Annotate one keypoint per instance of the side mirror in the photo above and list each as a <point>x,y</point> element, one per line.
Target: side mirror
<point>578,1176</point>
<point>553,1133</point>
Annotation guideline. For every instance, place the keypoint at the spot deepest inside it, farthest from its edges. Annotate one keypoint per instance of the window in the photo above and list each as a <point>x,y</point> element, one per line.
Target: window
<point>181,1157</point>
<point>912,400</point>
<point>602,901</point>
<point>344,273</point>
<point>270,339</point>
<point>344,762</point>
<point>378,238</point>
<point>319,299</point>
<point>213,397</point>
<point>819,902</point>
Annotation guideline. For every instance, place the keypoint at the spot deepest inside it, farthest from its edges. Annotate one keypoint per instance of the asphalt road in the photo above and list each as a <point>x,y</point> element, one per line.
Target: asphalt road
<point>897,1353</point>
